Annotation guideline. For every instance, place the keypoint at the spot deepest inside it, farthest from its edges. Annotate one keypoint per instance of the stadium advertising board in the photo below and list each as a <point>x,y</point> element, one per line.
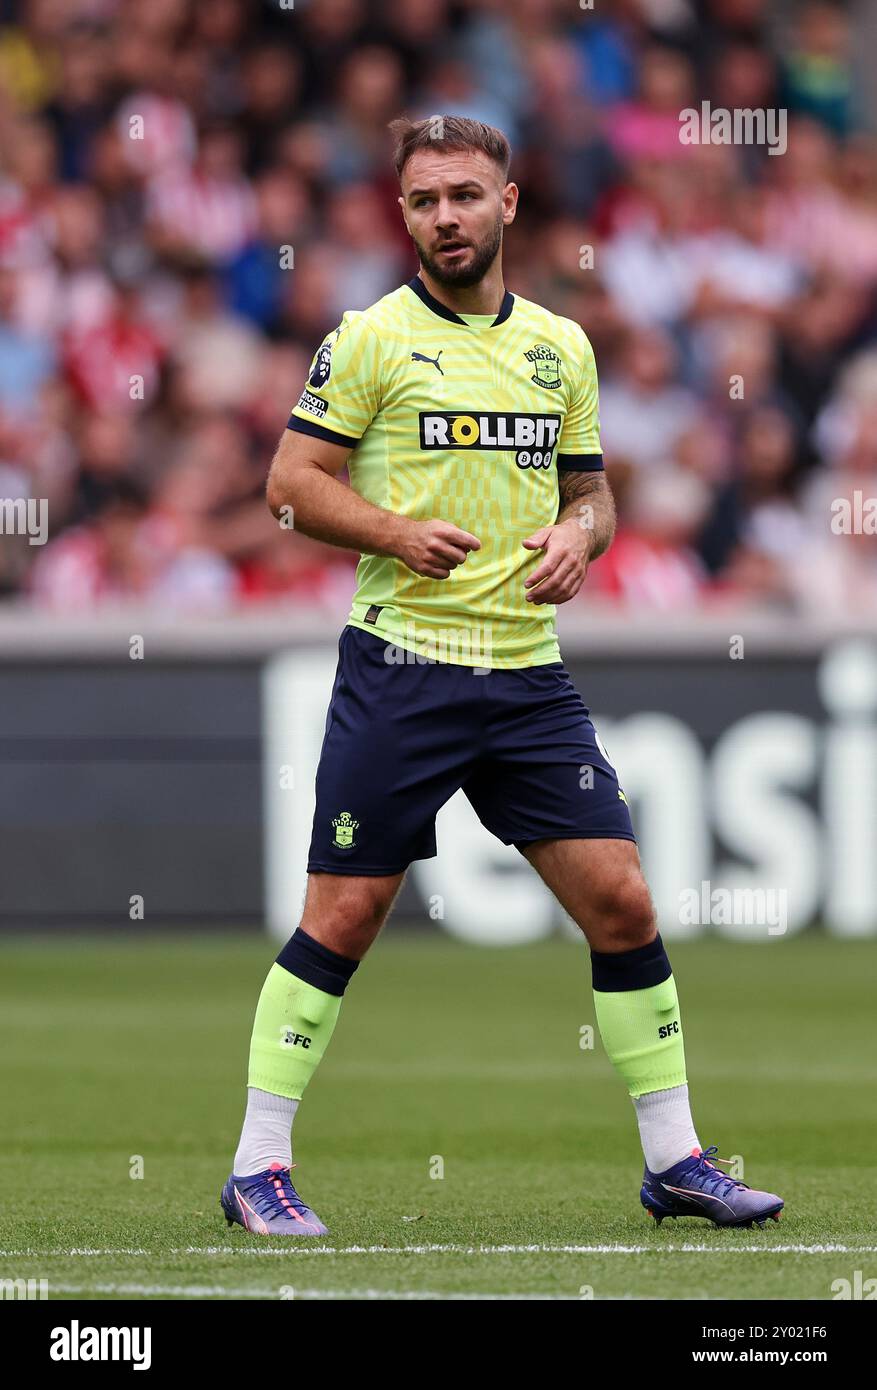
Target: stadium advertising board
<point>182,795</point>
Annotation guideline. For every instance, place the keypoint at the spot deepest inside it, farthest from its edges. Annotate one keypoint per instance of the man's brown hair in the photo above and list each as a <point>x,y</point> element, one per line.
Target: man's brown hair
<point>449,133</point>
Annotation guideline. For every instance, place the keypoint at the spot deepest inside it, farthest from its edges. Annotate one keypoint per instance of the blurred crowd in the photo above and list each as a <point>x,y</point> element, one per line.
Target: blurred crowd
<point>192,194</point>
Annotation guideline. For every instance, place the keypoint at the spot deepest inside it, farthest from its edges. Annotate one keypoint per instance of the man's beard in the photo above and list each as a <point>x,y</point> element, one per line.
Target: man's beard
<point>464,276</point>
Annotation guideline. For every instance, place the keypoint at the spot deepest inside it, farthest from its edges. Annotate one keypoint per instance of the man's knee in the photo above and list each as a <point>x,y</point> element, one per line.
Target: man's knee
<point>345,912</point>
<point>626,914</point>
<point>362,902</point>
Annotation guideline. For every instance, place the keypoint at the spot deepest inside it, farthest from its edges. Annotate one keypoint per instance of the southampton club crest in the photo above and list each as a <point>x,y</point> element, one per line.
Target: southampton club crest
<point>344,825</point>
<point>547,364</point>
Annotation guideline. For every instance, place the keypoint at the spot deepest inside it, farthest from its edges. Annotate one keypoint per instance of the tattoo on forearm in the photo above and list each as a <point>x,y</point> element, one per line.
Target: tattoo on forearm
<point>586,497</point>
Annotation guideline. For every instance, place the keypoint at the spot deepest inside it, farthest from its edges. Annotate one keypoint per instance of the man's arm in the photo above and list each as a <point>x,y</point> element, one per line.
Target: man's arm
<point>586,498</point>
<point>584,529</point>
<point>305,494</point>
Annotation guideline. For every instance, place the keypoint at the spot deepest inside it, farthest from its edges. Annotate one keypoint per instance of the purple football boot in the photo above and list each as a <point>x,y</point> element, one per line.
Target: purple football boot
<point>696,1187</point>
<point>267,1204</point>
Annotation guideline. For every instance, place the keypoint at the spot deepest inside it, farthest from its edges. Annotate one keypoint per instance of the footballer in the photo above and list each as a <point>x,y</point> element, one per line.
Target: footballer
<point>468,419</point>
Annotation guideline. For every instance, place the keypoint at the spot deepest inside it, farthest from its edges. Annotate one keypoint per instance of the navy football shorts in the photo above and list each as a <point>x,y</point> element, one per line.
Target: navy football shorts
<point>403,736</point>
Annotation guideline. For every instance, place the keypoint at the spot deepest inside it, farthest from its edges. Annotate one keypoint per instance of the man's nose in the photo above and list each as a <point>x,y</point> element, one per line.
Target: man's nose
<point>446,215</point>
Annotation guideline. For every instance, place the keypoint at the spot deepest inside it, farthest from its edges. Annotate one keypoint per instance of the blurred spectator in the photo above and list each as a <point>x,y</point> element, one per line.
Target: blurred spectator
<point>643,411</point>
<point>208,209</point>
<point>115,360</point>
<point>367,265</point>
<point>608,52</point>
<point>817,71</point>
<point>648,127</point>
<point>122,554</point>
<point>733,267</point>
<point>367,92</point>
<point>316,575</point>
<point>754,511</point>
<point>107,442</point>
<point>571,163</point>
<point>216,353</point>
<point>26,361</point>
<point>821,209</point>
<point>270,90</point>
<point>82,101</point>
<point>653,563</point>
<point>256,274</point>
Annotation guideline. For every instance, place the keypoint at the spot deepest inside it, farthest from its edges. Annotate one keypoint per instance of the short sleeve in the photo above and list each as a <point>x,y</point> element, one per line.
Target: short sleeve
<point>342,394</point>
<point>579,447</point>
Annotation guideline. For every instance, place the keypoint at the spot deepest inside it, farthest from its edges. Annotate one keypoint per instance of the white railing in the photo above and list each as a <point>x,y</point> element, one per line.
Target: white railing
<point>31,633</point>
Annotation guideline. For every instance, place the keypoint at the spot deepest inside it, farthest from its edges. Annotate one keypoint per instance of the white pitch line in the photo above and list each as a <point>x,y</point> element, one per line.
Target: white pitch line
<point>299,1250</point>
<point>221,1291</point>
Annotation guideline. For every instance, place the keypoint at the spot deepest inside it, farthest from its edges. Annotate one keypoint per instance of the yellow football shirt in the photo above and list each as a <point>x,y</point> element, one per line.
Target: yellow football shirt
<point>463,418</point>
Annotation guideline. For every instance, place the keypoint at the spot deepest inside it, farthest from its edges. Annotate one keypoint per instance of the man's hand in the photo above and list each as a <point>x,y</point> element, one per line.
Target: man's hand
<point>303,481</point>
<point>434,548</point>
<point>568,548</point>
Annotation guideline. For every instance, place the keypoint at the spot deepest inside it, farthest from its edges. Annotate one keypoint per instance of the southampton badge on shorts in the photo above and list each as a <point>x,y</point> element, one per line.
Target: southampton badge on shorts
<point>344,827</point>
<point>547,364</point>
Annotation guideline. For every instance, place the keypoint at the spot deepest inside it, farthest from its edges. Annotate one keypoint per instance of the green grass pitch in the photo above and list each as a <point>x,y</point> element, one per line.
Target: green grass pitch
<point>114,1049</point>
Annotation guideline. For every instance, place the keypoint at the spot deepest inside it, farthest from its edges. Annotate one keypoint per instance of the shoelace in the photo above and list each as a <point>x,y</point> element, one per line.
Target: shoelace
<point>713,1176</point>
<point>277,1194</point>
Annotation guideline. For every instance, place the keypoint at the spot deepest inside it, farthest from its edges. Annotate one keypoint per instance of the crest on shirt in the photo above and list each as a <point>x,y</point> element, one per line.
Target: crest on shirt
<point>322,366</point>
<point>547,366</point>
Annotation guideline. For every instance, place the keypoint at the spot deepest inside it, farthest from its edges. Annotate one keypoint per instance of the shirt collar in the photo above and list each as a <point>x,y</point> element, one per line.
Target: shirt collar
<point>444,312</point>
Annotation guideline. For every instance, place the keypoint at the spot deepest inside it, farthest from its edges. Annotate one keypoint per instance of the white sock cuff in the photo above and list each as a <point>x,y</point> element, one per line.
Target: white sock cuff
<point>267,1103</point>
<point>666,1128</point>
